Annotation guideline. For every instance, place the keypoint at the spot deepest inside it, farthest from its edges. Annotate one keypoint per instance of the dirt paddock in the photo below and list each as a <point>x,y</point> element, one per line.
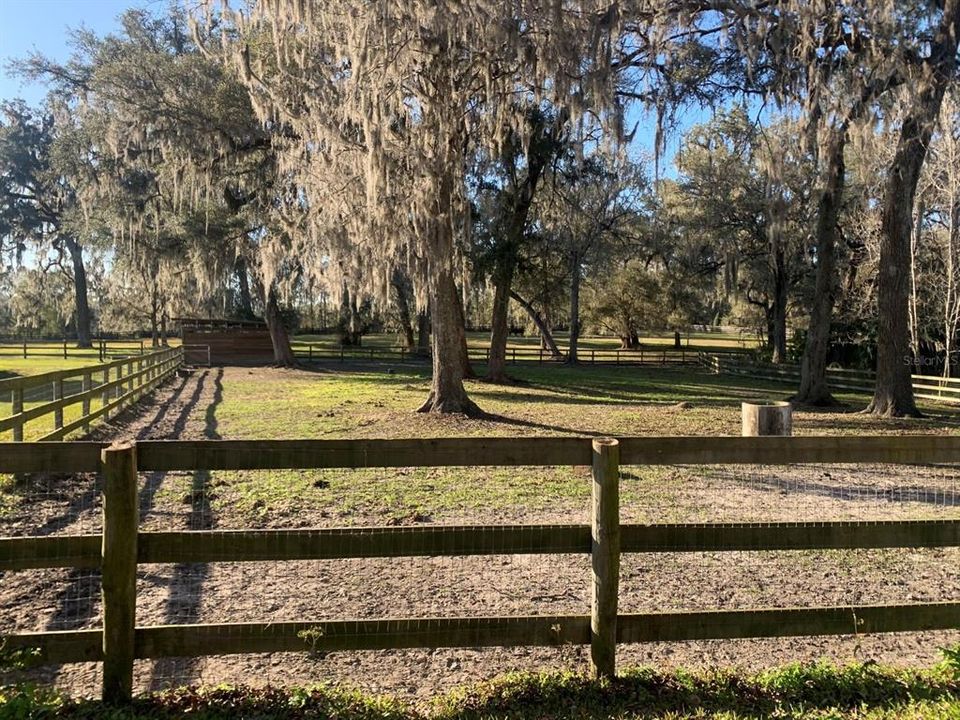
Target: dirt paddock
<point>474,586</point>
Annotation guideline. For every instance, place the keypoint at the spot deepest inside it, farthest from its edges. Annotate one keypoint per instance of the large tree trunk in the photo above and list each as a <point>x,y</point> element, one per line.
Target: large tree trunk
<point>576,276</point>
<point>545,335</point>
<point>914,315</point>
<point>401,288</point>
<point>243,286</point>
<point>813,366</point>
<point>348,324</point>
<point>449,335</point>
<point>82,304</point>
<point>893,395</point>
<point>462,332</point>
<point>282,352</point>
<point>423,333</point>
<point>507,262</point>
<point>447,393</point>
<point>499,325</point>
<point>951,306</point>
<point>779,309</point>
<point>151,280</point>
<point>154,325</point>
<point>163,326</point>
<point>154,318</point>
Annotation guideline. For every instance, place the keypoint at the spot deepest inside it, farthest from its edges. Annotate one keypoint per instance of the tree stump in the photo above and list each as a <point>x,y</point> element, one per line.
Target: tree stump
<point>766,418</point>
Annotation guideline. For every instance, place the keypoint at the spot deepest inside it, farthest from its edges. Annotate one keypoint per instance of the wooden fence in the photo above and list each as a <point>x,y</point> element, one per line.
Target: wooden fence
<point>928,387</point>
<point>651,355</point>
<point>60,389</point>
<point>103,349</point>
<point>121,547</point>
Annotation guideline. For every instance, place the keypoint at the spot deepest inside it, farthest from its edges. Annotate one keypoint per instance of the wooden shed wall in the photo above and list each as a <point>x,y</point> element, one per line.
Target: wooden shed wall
<point>236,346</point>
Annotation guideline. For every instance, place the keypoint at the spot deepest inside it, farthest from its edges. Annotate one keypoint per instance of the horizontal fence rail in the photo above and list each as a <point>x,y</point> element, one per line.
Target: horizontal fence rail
<point>113,385</point>
<point>191,640</point>
<point>164,455</point>
<point>927,387</point>
<point>651,355</point>
<point>206,546</point>
<point>123,547</point>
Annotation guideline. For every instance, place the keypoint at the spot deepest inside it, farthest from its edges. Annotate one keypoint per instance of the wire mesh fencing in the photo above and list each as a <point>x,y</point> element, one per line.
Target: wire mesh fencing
<point>661,581</point>
<point>41,505</point>
<point>262,589</point>
<point>273,591</point>
<point>674,579</point>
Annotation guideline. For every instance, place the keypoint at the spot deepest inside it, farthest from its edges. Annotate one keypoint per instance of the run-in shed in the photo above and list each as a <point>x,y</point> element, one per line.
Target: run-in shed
<point>230,342</point>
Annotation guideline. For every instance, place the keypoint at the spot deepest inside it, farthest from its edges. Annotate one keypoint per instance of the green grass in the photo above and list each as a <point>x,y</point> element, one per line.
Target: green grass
<point>367,401</point>
<point>17,365</point>
<point>861,691</point>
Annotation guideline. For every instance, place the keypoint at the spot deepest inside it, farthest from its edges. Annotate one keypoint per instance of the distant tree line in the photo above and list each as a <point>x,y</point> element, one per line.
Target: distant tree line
<point>425,168</point>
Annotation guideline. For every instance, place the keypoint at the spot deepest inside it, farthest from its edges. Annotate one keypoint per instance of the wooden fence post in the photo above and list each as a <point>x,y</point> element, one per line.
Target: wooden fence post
<point>64,348</point>
<point>119,564</point>
<point>85,387</point>
<point>24,348</point>
<point>605,557</point>
<point>58,395</point>
<point>16,407</point>
<point>118,390</point>
<point>105,394</point>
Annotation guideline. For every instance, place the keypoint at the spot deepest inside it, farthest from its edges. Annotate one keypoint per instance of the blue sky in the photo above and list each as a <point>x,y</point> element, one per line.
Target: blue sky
<point>44,25</point>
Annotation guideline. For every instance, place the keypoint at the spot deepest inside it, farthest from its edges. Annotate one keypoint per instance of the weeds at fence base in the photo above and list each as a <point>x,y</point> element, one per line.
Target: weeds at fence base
<point>817,690</point>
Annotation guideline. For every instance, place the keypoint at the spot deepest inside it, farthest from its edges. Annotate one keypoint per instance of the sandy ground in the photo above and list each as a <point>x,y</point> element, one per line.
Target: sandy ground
<point>497,585</point>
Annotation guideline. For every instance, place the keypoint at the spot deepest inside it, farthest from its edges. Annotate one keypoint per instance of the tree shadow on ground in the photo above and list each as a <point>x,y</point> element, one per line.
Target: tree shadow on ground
<point>77,603</point>
<point>154,480</point>
<point>824,421</point>
<point>522,422</point>
<point>185,586</point>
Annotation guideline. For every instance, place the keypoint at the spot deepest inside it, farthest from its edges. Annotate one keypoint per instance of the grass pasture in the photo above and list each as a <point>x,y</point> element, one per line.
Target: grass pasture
<point>48,356</point>
<point>858,691</point>
<point>376,401</point>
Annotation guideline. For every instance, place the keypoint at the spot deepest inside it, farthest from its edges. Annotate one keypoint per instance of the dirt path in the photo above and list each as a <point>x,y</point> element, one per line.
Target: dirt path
<point>498,585</point>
